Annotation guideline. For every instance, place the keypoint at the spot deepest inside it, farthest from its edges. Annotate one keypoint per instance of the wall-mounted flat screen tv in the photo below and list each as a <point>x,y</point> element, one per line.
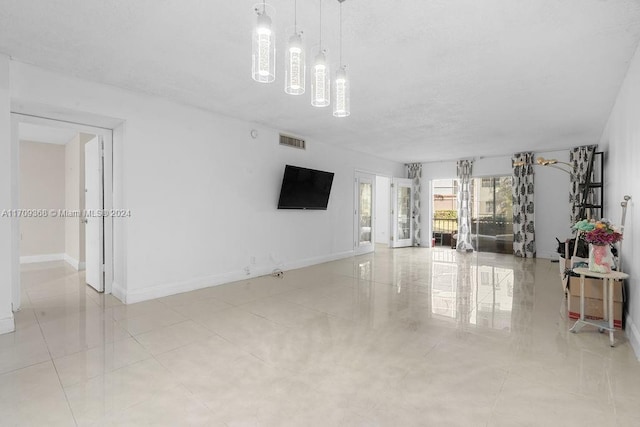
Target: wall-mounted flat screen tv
<point>304,188</point>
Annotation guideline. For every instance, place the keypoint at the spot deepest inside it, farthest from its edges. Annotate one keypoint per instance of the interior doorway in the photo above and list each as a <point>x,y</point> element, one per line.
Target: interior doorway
<point>66,215</point>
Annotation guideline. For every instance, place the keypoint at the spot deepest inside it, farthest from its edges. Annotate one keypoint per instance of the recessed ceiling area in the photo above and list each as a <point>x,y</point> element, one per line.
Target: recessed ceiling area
<point>430,80</point>
<point>45,134</point>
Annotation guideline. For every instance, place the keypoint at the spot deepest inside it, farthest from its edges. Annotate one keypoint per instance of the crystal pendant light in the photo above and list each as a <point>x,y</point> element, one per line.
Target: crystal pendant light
<point>263,67</point>
<point>320,79</point>
<point>295,65</point>
<point>341,103</point>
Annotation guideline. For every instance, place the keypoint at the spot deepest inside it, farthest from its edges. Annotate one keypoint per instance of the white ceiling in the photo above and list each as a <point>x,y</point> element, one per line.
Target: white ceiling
<point>46,134</point>
<point>431,79</point>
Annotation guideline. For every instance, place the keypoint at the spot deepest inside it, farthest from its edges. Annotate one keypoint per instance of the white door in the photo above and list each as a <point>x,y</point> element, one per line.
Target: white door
<point>94,223</point>
<point>363,212</point>
<point>402,212</point>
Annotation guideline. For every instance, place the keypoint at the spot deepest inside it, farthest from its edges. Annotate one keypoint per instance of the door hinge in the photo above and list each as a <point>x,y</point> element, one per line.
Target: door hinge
<point>391,185</point>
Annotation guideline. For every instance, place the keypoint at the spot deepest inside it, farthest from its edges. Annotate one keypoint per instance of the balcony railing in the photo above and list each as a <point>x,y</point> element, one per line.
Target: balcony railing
<point>444,225</point>
<point>484,226</point>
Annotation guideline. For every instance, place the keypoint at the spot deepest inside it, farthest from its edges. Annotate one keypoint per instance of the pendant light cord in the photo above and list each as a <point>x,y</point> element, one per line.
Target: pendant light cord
<point>341,34</point>
<point>264,6</point>
<point>320,25</point>
<point>295,16</point>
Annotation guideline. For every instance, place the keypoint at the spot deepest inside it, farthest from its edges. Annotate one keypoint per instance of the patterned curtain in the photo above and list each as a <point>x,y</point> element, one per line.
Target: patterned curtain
<point>579,157</point>
<point>464,214</point>
<point>415,173</point>
<point>524,238</point>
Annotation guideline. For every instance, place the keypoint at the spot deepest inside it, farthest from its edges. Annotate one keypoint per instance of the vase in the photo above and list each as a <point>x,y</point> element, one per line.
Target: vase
<point>600,258</point>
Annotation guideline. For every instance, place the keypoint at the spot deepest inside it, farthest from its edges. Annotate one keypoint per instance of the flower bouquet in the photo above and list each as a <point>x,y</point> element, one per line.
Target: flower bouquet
<point>600,235</point>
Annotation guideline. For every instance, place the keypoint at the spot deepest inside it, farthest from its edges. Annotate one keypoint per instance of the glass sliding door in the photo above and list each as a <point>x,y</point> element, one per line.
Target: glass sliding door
<point>444,220</point>
<point>492,214</point>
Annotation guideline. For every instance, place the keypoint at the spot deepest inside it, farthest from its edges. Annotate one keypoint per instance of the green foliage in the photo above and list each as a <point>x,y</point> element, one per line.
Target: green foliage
<point>445,214</point>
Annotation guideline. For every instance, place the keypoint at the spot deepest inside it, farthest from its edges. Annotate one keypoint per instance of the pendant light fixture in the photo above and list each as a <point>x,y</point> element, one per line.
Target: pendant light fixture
<point>263,68</point>
<point>295,65</point>
<point>341,100</point>
<point>320,79</point>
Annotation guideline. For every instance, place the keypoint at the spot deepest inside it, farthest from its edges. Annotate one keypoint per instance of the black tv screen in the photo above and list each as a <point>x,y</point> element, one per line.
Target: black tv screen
<point>304,188</point>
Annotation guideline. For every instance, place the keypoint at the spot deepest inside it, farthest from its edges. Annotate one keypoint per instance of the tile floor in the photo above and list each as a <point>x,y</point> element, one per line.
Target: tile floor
<point>404,337</point>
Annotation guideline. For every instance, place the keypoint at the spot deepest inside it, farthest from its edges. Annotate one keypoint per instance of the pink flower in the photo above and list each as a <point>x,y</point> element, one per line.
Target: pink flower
<point>602,236</point>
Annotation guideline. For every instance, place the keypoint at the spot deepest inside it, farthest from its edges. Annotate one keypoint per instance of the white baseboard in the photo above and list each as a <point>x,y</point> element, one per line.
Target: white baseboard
<point>77,265</point>
<point>159,291</point>
<point>312,261</point>
<point>633,334</point>
<point>7,325</point>
<point>30,259</point>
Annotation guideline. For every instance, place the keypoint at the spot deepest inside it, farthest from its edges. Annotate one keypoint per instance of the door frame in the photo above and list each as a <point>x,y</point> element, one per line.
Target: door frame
<point>367,248</point>
<point>107,137</point>
<point>89,267</point>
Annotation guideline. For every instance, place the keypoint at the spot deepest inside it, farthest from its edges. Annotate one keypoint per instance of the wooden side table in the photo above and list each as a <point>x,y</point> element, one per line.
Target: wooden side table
<point>607,301</point>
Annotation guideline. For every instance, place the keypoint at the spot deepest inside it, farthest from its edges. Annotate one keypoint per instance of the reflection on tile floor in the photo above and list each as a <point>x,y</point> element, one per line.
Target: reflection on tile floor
<point>401,337</point>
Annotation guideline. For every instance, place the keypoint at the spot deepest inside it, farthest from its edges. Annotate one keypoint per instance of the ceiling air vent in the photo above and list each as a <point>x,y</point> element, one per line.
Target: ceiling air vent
<point>290,141</point>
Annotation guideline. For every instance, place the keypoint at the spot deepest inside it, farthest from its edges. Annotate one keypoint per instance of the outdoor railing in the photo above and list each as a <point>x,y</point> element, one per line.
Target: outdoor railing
<point>444,225</point>
<point>485,226</point>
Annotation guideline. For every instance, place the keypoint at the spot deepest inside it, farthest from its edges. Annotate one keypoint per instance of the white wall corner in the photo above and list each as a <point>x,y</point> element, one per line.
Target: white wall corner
<point>7,325</point>
<point>77,265</point>
<point>633,334</point>
<point>30,259</point>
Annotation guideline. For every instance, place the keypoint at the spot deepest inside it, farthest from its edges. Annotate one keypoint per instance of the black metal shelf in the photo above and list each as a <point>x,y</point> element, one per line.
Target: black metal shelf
<point>592,185</point>
<point>592,190</point>
<point>590,206</point>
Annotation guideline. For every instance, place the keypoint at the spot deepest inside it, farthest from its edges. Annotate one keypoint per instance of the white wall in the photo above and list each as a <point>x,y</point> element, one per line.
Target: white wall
<point>42,181</point>
<point>8,168</point>
<point>74,157</point>
<point>551,195</point>
<point>552,205</point>
<point>202,192</point>
<point>383,209</point>
<point>622,177</point>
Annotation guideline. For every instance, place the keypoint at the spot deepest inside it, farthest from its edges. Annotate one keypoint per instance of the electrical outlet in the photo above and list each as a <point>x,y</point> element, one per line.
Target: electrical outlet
<point>247,270</point>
